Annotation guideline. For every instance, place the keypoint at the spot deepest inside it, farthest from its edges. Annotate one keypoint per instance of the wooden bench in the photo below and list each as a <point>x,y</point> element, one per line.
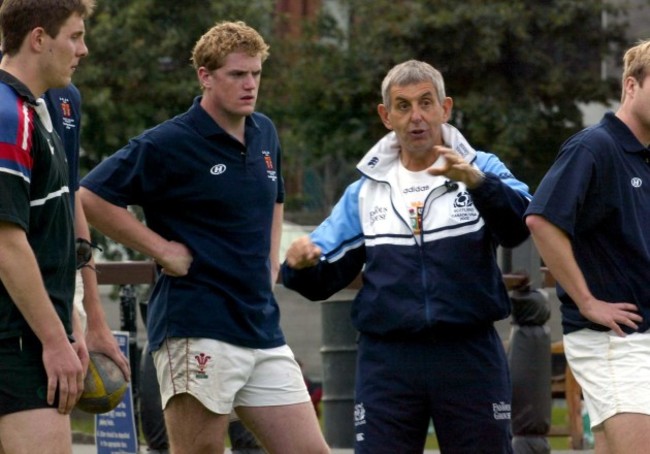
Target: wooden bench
<point>565,386</point>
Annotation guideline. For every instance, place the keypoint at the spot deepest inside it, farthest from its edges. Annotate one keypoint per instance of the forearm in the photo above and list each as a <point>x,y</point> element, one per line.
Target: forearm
<point>91,300</point>
<point>77,327</point>
<point>555,248</point>
<point>276,238</point>
<point>116,222</point>
<point>503,209</point>
<point>120,225</point>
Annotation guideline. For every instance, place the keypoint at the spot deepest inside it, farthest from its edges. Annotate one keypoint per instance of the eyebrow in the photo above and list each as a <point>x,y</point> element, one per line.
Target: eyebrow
<point>423,95</point>
<point>244,71</point>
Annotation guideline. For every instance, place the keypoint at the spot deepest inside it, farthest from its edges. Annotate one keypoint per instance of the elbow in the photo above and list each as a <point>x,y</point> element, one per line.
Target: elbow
<point>516,238</point>
<point>87,204</point>
<point>534,223</point>
<point>306,282</point>
<point>98,211</point>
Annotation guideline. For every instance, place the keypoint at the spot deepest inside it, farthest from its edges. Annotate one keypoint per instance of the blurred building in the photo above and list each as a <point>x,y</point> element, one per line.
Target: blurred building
<point>637,15</point>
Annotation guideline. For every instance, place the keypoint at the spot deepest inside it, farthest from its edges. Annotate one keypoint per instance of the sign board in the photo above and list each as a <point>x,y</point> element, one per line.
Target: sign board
<point>115,431</point>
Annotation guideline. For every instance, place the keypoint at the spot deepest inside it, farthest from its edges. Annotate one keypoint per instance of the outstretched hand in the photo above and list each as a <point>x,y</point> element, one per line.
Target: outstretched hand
<point>302,253</point>
<point>454,167</point>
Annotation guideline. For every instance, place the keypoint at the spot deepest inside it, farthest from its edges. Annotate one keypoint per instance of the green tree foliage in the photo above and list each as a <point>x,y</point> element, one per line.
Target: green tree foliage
<point>138,72</point>
<point>517,70</point>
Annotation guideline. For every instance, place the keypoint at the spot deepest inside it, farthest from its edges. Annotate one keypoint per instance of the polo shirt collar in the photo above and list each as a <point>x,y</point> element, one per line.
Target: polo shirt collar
<point>18,86</point>
<point>205,124</point>
<point>623,134</point>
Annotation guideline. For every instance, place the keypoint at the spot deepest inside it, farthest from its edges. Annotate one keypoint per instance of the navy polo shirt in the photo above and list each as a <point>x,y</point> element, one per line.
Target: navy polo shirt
<point>598,192</point>
<point>199,186</point>
<point>64,105</point>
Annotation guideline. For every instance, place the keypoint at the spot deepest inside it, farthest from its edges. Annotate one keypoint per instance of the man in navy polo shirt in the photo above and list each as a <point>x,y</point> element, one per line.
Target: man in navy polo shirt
<point>210,185</point>
<point>64,106</point>
<point>590,220</point>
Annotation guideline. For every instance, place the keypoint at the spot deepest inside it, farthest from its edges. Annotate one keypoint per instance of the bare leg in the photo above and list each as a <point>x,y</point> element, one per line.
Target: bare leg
<point>27,432</point>
<point>287,429</point>
<point>192,428</point>
<point>627,433</point>
<point>600,442</point>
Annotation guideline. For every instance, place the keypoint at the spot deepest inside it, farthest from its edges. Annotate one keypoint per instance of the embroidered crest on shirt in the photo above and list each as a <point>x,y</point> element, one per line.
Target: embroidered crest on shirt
<point>65,108</point>
<point>415,187</point>
<point>66,113</point>
<point>271,174</point>
<point>415,217</point>
<point>202,361</point>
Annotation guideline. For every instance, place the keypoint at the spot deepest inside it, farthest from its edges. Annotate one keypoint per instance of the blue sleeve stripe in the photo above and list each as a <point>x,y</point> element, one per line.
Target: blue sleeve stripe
<point>341,231</point>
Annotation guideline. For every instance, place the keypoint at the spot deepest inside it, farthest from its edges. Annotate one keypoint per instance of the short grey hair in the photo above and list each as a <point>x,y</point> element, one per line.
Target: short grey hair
<point>412,72</point>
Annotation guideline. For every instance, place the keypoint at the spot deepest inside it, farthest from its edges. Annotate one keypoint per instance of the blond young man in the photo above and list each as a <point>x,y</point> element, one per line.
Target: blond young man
<point>589,219</point>
<point>210,184</point>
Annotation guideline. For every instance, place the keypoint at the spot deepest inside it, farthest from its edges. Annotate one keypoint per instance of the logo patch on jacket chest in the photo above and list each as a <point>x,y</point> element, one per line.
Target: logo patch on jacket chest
<point>463,208</point>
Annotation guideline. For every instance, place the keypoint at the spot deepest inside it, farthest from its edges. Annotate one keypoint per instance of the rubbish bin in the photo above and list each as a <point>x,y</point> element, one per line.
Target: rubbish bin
<point>529,357</point>
<point>339,356</point>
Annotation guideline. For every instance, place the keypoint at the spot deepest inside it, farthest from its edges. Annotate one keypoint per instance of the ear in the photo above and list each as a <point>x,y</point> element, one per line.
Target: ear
<point>382,110</point>
<point>629,86</point>
<point>447,106</point>
<point>204,77</point>
<point>36,39</point>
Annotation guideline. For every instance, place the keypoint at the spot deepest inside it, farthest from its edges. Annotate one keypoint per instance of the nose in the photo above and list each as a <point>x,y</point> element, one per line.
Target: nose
<point>250,82</point>
<point>82,51</point>
<point>416,114</point>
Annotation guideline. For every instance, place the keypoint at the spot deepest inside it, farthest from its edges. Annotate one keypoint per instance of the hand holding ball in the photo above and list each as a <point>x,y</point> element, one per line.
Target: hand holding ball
<point>104,385</point>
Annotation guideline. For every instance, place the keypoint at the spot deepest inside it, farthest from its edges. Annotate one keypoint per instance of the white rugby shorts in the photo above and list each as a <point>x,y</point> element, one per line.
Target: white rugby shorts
<point>223,376</point>
<point>613,371</point>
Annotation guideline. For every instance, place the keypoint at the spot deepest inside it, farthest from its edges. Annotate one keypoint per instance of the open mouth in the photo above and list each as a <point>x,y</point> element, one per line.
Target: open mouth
<point>417,132</point>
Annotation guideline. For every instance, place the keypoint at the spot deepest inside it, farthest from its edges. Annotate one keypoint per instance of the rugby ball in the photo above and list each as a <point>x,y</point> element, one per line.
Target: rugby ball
<point>104,385</point>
